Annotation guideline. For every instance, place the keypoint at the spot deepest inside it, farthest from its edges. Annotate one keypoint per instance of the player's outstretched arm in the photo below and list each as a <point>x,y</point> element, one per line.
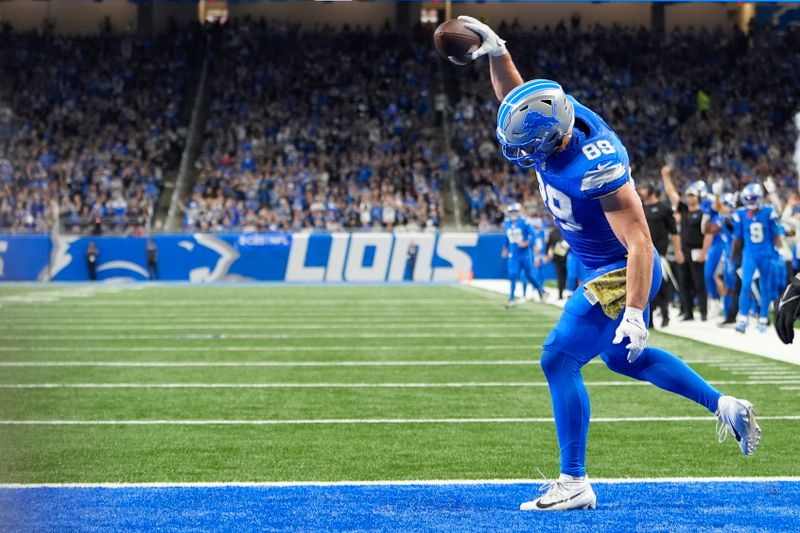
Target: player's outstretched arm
<point>502,69</point>
<point>625,215</point>
<point>505,76</point>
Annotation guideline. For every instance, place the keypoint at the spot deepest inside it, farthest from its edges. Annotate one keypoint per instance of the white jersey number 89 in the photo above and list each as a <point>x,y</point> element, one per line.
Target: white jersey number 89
<point>595,150</point>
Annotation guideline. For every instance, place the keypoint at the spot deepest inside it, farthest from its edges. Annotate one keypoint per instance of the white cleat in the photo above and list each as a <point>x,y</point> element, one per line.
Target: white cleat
<point>544,296</point>
<point>564,494</point>
<point>737,417</point>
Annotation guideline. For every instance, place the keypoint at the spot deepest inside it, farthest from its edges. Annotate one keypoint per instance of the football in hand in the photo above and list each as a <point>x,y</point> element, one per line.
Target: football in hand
<point>455,41</point>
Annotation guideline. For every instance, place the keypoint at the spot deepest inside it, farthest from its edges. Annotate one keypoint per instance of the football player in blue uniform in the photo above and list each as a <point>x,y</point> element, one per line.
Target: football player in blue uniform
<point>724,221</point>
<point>713,247</point>
<point>539,254</point>
<point>584,178</point>
<point>756,235</point>
<point>519,243</point>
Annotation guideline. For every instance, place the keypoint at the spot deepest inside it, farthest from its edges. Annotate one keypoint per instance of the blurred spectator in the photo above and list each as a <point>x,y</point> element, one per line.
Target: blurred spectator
<point>89,123</point>
<point>346,141</point>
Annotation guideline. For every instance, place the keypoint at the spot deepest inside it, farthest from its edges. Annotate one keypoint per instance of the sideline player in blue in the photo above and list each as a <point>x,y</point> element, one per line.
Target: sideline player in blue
<point>519,243</point>
<point>539,254</point>
<point>756,235</point>
<point>713,247</point>
<point>584,177</point>
<point>724,221</point>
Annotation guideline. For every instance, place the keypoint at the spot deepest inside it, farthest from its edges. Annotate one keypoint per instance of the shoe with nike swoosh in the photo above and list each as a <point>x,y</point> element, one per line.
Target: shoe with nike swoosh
<point>565,493</point>
<point>738,418</point>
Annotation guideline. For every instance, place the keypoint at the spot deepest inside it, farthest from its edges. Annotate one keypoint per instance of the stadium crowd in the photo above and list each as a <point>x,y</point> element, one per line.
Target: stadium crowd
<point>672,97</point>
<point>347,141</point>
<point>353,139</point>
<point>88,124</point>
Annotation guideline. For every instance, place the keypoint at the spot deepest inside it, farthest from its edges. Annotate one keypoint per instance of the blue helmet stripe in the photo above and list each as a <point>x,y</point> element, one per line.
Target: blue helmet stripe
<point>522,91</point>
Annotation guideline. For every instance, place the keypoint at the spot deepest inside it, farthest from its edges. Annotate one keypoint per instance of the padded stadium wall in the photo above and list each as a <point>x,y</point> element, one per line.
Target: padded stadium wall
<point>301,257</point>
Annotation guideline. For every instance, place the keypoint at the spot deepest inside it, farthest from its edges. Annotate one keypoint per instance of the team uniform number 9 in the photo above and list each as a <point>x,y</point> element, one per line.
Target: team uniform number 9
<point>595,150</point>
<point>756,232</point>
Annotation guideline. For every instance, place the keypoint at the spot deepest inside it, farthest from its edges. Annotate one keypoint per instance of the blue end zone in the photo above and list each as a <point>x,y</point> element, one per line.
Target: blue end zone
<point>692,506</point>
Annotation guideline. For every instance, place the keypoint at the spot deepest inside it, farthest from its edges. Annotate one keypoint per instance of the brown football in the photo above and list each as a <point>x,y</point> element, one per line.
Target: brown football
<point>455,41</point>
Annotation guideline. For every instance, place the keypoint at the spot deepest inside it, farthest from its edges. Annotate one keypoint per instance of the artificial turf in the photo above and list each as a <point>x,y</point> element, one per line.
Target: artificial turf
<point>356,336</point>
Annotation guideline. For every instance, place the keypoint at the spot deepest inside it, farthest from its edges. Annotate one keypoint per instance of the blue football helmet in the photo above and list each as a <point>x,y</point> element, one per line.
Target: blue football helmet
<point>730,199</point>
<point>532,121</point>
<point>753,195</point>
<point>513,210</point>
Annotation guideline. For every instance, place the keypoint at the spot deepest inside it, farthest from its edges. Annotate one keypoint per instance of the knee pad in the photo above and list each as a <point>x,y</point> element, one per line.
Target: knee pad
<point>550,360</point>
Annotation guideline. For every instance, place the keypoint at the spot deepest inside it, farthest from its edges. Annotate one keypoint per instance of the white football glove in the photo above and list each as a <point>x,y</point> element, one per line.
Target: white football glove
<point>718,187</point>
<point>769,185</point>
<point>491,44</point>
<point>634,328</point>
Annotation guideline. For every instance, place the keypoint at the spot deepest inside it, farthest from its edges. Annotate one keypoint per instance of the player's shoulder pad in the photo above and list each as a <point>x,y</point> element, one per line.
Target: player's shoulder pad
<point>603,175</point>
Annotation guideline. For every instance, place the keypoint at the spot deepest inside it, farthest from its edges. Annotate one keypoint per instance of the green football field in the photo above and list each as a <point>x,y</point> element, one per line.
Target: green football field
<point>295,383</point>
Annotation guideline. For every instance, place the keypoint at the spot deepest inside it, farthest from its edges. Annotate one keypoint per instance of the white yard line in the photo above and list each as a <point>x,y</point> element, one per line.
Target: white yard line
<point>399,482</point>
<point>361,421</point>
<point>410,335</point>
<point>253,303</point>
<point>255,349</point>
<point>443,385</point>
<point>267,326</point>
<point>289,364</point>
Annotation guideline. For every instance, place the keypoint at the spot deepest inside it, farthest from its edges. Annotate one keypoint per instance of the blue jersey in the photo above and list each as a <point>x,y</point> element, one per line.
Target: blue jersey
<point>538,242</point>
<point>715,219</point>
<point>572,182</point>
<point>518,231</point>
<point>757,229</point>
<point>726,229</point>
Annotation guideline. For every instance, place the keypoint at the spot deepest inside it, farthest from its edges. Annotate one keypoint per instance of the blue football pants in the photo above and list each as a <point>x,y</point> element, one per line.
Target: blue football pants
<point>584,332</point>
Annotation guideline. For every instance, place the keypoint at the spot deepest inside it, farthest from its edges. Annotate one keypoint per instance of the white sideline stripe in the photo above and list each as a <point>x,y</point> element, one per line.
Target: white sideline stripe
<point>400,482</point>
<point>443,385</point>
<point>179,364</point>
<point>361,421</point>
<point>791,388</point>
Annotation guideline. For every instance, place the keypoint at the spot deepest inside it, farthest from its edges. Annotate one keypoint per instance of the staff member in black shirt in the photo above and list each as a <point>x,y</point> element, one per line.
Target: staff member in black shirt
<point>692,278</point>
<point>557,250</point>
<point>662,226</point>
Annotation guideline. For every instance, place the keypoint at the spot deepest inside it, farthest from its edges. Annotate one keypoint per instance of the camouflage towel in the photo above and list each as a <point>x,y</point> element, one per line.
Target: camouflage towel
<point>609,291</point>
